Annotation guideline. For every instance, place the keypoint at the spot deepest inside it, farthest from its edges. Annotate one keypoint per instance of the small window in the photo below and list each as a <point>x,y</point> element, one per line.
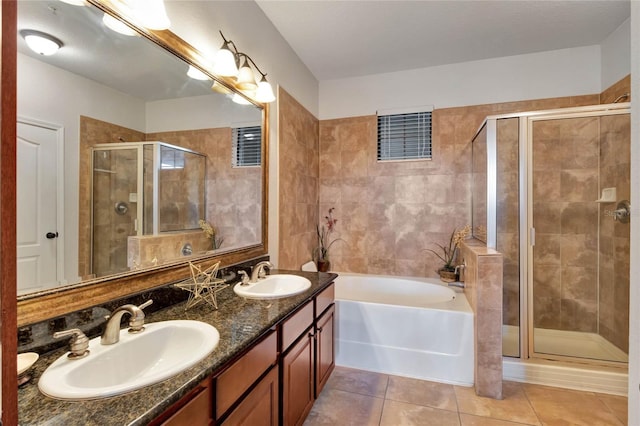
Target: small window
<point>404,136</point>
<point>246,146</point>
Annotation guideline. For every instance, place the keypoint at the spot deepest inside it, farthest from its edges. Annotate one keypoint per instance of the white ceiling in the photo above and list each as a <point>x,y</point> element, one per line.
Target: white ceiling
<point>338,39</point>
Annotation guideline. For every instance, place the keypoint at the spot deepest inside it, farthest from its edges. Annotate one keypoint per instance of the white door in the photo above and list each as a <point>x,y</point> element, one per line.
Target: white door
<point>37,233</point>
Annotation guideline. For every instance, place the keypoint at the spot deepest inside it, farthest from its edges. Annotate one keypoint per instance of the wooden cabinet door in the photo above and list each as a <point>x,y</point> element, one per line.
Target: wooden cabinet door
<point>260,406</point>
<point>298,381</point>
<point>325,351</point>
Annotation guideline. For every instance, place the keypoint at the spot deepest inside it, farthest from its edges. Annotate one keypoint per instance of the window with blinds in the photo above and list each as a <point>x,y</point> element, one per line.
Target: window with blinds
<point>404,136</point>
<point>246,146</point>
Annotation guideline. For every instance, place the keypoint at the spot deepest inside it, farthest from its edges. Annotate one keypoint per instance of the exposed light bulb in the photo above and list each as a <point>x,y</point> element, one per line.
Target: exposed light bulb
<point>225,63</point>
<point>41,43</point>
<point>196,74</point>
<point>246,80</point>
<point>241,100</point>
<point>264,93</point>
<point>117,26</point>
<point>152,14</point>
<point>75,2</point>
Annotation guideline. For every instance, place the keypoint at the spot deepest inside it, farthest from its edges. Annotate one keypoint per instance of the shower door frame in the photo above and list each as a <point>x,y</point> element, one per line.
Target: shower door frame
<point>527,230</point>
<point>139,184</point>
<point>525,183</point>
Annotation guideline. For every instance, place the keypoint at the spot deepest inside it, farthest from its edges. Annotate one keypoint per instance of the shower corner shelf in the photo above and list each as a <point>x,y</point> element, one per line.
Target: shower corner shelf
<point>608,196</point>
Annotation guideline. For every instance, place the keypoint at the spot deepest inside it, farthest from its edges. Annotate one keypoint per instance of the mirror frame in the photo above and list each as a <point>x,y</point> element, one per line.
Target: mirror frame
<point>40,306</point>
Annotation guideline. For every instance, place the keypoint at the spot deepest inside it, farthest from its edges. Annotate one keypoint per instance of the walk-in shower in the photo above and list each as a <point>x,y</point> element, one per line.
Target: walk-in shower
<point>141,188</point>
<point>549,191</point>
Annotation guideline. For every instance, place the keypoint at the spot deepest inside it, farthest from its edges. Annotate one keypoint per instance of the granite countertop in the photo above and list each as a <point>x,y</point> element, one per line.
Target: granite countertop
<point>240,322</point>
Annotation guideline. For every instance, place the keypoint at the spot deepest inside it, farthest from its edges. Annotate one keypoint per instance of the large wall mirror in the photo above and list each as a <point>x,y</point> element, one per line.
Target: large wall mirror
<point>126,161</point>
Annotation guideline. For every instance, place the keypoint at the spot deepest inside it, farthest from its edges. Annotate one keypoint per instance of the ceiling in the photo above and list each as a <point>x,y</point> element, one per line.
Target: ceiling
<point>338,39</point>
<point>132,65</point>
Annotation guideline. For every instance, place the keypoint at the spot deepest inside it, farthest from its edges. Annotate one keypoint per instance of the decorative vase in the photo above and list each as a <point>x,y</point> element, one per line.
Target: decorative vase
<point>447,275</point>
<point>323,265</point>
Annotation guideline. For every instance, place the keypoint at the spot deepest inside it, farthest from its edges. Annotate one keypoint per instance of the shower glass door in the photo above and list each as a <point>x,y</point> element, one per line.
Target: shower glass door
<point>114,208</point>
<point>578,254</point>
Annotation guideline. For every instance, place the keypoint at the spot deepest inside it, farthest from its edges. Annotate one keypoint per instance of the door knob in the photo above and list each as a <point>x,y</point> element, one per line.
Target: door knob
<point>52,235</point>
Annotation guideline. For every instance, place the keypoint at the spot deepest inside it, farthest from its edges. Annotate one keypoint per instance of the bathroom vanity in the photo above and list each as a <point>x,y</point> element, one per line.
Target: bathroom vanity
<point>272,361</point>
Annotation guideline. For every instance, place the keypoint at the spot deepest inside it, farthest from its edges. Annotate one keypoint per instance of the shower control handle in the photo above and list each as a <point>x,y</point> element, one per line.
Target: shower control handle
<point>51,235</point>
<point>622,213</point>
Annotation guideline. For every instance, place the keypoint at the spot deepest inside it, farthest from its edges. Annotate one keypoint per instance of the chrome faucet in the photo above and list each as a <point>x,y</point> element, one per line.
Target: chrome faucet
<point>111,332</point>
<point>258,271</point>
<point>462,267</point>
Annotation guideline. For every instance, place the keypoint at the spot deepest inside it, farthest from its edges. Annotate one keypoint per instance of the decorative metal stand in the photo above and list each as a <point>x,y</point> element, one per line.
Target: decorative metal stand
<point>203,285</point>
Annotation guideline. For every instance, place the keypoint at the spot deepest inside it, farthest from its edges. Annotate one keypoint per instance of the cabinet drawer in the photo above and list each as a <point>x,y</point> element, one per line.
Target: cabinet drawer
<point>196,412</point>
<point>325,299</point>
<point>231,384</point>
<point>296,324</point>
<point>260,407</point>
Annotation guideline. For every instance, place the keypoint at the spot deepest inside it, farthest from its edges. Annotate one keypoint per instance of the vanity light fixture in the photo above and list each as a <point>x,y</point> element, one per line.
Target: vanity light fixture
<point>117,26</point>
<point>75,2</point>
<point>41,43</point>
<point>196,74</point>
<point>241,100</point>
<point>226,65</point>
<point>151,13</point>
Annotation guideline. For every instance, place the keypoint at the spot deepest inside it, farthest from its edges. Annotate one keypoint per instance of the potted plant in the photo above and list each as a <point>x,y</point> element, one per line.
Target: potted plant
<point>211,233</point>
<point>321,252</point>
<point>448,254</point>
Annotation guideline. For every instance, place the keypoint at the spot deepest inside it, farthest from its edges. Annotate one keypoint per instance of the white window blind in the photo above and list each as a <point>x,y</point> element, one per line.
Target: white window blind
<point>404,136</point>
<point>246,146</point>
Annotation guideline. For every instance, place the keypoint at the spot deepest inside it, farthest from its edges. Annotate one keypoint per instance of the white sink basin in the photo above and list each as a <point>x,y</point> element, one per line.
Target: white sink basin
<point>273,287</point>
<point>162,350</point>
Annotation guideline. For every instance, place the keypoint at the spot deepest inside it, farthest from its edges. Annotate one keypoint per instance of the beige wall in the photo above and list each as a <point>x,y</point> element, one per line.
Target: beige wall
<point>298,182</point>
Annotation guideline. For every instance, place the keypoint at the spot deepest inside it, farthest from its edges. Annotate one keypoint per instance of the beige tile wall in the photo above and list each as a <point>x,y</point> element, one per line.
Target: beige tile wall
<point>298,182</point>
<point>234,195</point>
<point>483,288</point>
<point>613,313</point>
<point>391,212</point>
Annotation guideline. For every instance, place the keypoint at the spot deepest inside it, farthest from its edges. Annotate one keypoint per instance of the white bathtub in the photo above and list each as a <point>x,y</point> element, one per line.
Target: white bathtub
<point>410,327</point>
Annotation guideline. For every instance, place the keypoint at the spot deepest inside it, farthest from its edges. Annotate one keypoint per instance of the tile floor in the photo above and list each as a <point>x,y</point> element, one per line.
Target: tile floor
<point>355,397</point>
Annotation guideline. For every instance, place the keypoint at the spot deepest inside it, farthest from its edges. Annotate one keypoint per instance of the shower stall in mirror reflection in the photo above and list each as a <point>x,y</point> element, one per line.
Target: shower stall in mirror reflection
<point>142,193</point>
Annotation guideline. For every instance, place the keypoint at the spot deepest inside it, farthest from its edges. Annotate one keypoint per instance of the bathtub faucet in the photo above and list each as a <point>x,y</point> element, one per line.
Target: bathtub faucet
<point>456,284</point>
<point>461,267</point>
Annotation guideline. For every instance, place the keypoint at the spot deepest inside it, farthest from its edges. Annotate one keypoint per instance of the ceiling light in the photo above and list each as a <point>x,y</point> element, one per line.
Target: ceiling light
<point>117,26</point>
<point>75,2</point>
<point>196,74</point>
<point>152,14</point>
<point>41,43</point>
<point>239,99</point>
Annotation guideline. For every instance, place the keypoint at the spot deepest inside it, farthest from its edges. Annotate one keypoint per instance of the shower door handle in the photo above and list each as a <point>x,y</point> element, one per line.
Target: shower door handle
<point>532,236</point>
<point>51,235</point>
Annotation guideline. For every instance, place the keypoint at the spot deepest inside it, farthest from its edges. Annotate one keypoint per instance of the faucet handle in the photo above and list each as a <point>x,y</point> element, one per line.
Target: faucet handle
<point>244,277</point>
<point>79,343</point>
<point>136,323</point>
